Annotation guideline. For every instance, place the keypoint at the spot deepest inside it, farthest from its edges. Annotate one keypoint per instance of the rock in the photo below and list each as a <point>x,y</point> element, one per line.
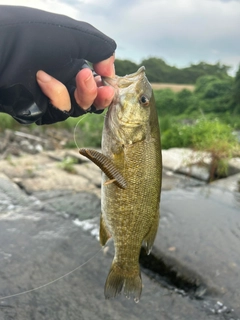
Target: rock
<point>194,163</point>
<point>81,205</point>
<point>188,162</point>
<point>40,249</point>
<point>41,173</point>
<point>27,147</point>
<point>91,172</point>
<point>233,166</point>
<point>11,196</point>
<point>198,239</point>
<point>200,172</point>
<point>175,158</point>
<point>231,183</point>
<point>37,248</point>
<point>172,180</point>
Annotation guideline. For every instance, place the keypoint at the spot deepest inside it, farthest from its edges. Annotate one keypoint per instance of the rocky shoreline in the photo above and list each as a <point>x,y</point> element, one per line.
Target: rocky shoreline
<point>50,206</point>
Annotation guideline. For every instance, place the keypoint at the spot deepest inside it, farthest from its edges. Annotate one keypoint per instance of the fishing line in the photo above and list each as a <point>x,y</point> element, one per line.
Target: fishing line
<point>75,128</point>
<point>53,281</point>
<point>72,271</point>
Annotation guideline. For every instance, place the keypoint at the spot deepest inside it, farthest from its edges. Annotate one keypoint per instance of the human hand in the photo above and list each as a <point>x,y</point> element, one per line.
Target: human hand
<point>33,40</point>
<point>89,89</point>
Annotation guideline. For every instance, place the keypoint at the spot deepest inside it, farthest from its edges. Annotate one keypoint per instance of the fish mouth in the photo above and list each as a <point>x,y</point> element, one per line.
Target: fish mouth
<point>125,81</point>
<point>140,71</point>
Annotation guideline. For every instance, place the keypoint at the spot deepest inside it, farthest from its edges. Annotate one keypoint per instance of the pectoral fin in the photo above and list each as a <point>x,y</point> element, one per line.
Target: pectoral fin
<point>151,235</point>
<point>106,165</point>
<point>104,234</point>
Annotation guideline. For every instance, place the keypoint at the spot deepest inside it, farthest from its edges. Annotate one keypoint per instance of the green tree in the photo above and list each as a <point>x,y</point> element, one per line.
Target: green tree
<point>187,102</point>
<point>203,68</point>
<point>202,83</point>
<point>235,101</point>
<point>165,102</point>
<point>124,67</point>
<point>158,70</point>
<point>216,93</point>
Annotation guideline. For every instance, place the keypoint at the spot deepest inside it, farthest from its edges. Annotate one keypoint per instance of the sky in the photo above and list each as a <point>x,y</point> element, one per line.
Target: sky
<point>180,32</point>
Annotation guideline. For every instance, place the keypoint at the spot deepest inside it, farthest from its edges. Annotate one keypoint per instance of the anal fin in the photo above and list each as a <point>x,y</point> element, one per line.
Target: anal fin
<point>151,235</point>
<point>104,234</point>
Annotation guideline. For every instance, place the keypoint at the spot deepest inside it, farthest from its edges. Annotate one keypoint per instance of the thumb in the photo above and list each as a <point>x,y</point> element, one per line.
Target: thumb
<point>54,90</point>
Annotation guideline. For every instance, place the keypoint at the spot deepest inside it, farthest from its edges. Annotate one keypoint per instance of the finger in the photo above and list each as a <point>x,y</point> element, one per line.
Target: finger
<point>98,81</point>
<point>86,91</point>
<point>104,97</point>
<point>54,90</point>
<point>105,68</point>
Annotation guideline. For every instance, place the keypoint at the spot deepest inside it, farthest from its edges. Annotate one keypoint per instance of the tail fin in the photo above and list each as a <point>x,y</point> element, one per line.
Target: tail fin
<point>119,279</point>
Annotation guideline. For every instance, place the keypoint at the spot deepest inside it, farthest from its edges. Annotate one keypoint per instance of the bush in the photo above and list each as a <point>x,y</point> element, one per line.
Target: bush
<point>203,135</point>
<point>214,137</point>
<point>166,101</point>
<point>216,93</point>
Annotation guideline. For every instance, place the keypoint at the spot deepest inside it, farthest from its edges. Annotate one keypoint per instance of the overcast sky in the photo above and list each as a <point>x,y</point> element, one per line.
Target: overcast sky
<point>179,31</point>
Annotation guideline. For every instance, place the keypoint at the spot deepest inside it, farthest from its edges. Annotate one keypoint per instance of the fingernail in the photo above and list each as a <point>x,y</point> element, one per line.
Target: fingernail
<point>107,103</point>
<point>90,83</point>
<point>43,76</point>
<point>113,71</point>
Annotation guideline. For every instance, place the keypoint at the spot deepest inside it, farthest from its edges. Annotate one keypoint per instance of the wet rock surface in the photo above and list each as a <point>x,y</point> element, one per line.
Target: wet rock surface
<point>39,246</point>
<point>49,225</point>
<point>198,239</point>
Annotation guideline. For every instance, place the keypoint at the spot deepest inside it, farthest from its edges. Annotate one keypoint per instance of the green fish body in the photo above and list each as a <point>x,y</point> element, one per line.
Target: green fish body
<point>131,180</point>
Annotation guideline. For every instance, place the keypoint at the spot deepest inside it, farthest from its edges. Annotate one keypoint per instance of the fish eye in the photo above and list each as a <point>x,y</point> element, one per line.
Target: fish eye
<point>144,100</point>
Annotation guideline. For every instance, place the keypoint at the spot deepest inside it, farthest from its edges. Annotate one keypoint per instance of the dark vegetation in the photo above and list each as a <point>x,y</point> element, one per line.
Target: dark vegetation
<point>158,71</point>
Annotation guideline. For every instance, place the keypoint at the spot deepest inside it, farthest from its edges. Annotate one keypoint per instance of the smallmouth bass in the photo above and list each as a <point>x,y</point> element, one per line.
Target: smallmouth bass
<point>131,180</point>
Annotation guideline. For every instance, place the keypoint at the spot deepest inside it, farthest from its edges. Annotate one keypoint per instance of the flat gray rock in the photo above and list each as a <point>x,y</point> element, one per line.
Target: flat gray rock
<point>38,246</point>
<point>234,166</point>
<point>35,251</point>
<point>199,238</point>
<point>81,205</point>
<point>11,196</point>
<point>231,183</point>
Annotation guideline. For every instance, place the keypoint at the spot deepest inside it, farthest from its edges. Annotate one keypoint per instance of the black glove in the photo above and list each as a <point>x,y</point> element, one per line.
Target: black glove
<point>32,40</point>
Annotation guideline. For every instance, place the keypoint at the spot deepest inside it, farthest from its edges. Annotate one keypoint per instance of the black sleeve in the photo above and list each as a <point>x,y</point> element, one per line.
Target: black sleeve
<point>32,40</point>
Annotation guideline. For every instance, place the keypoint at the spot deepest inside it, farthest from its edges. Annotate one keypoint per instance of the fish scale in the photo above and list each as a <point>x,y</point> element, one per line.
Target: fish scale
<point>131,152</point>
<point>128,212</point>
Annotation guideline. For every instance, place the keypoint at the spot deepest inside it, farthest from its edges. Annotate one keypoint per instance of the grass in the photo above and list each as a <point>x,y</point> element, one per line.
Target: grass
<point>67,164</point>
<point>7,122</point>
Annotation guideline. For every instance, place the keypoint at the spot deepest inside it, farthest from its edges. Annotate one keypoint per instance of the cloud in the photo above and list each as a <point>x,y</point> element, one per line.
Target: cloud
<point>179,31</point>
<point>55,6</point>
